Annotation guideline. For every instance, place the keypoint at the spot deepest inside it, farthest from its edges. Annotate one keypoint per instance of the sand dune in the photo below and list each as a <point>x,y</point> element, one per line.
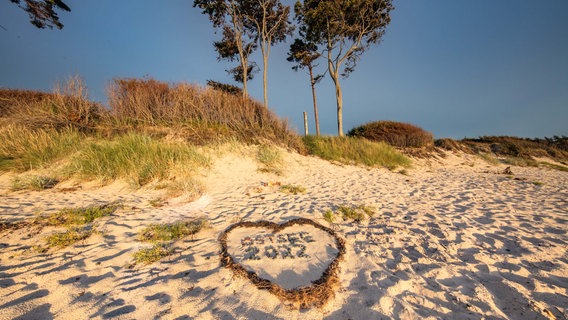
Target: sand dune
<point>454,238</point>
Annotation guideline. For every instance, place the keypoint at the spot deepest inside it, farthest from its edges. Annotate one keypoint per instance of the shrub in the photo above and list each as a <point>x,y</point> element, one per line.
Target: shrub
<point>397,134</point>
<point>355,151</point>
<point>292,189</point>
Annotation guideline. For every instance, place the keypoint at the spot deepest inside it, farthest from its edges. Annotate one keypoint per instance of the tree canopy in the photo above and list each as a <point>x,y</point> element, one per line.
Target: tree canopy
<point>345,29</point>
<point>43,13</point>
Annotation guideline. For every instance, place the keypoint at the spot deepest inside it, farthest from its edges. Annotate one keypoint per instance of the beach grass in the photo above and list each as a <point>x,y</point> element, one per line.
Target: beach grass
<point>33,182</point>
<point>358,151</point>
<point>292,189</point>
<point>157,252</point>
<point>79,216</point>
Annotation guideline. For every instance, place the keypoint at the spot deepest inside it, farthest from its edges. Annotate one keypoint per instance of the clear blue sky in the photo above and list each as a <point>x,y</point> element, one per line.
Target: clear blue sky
<point>455,68</point>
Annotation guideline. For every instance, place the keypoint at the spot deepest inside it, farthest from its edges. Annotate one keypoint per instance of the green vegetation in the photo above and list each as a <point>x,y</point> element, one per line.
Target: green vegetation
<point>329,216</point>
<point>292,189</point>
<point>172,231</point>
<point>24,148</point>
<point>554,166</point>
<point>163,235</point>
<point>349,150</point>
<point>33,182</point>
<point>356,213</point>
<point>153,254</point>
<point>489,159</point>
<point>270,158</point>
<point>68,237</point>
<point>397,134</point>
<point>79,216</point>
<point>516,151</point>
<point>135,156</point>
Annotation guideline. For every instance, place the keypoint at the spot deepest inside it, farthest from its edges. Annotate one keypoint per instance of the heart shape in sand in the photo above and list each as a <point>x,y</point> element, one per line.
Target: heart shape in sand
<point>296,261</point>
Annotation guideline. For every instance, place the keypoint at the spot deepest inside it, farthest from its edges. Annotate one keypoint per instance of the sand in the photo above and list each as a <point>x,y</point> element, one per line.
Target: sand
<point>453,238</point>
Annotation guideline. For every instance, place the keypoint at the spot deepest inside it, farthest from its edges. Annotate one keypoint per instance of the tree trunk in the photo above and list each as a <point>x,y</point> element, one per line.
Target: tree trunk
<point>265,53</point>
<point>339,97</point>
<point>314,98</point>
<point>245,76</point>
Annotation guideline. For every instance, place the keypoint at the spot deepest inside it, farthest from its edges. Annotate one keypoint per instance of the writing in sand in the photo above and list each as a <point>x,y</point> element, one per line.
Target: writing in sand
<point>276,246</point>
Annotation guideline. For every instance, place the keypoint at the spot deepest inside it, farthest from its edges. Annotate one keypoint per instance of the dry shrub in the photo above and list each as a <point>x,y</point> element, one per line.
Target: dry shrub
<point>402,135</point>
<point>68,105</point>
<point>204,113</point>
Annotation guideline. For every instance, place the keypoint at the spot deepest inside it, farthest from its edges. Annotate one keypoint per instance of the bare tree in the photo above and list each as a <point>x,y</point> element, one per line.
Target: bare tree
<point>345,29</point>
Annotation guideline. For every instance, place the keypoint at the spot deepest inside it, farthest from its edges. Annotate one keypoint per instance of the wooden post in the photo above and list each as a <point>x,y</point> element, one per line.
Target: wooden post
<point>306,123</point>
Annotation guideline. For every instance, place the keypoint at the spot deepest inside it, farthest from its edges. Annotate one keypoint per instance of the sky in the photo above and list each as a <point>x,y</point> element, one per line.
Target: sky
<point>455,68</point>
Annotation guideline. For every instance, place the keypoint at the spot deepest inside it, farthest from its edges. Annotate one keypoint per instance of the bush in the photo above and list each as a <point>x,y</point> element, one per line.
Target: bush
<point>402,135</point>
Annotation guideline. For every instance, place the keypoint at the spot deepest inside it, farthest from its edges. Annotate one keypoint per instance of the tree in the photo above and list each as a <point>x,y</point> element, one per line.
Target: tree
<point>304,54</point>
<point>345,29</point>
<point>268,20</point>
<point>42,12</point>
<point>238,41</point>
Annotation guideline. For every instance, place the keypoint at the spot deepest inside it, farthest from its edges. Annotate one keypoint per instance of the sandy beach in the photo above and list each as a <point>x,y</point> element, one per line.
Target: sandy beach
<point>453,238</point>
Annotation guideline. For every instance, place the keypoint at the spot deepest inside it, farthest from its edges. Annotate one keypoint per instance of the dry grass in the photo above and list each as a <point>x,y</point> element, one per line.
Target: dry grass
<point>172,231</point>
<point>33,182</point>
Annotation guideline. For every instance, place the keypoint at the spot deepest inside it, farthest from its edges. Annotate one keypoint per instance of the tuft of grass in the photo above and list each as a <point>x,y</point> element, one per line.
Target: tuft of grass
<point>271,158</point>
<point>538,183</point>
<point>489,159</point>
<point>80,216</point>
<point>135,156</point>
<point>349,150</point>
<point>292,189</point>
<point>172,231</point>
<point>153,254</point>
<point>68,237</point>
<point>554,166</point>
<point>189,188</point>
<point>520,162</point>
<point>32,182</point>
<point>356,213</point>
<point>157,202</point>
<point>329,216</point>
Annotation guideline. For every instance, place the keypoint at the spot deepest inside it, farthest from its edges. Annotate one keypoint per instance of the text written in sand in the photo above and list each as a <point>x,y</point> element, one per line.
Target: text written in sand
<point>276,246</point>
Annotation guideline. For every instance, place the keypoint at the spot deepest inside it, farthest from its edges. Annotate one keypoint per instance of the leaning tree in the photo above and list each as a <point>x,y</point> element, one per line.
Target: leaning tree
<point>42,12</point>
<point>238,41</point>
<point>345,29</point>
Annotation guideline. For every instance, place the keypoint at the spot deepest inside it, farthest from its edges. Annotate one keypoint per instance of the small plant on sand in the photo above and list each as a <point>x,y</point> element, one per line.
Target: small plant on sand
<point>292,189</point>
<point>79,216</point>
<point>329,216</point>
<point>554,166</point>
<point>172,231</point>
<point>270,158</point>
<point>538,183</point>
<point>32,182</point>
<point>356,213</point>
<point>492,160</point>
<point>70,236</point>
<point>157,202</point>
<point>153,254</point>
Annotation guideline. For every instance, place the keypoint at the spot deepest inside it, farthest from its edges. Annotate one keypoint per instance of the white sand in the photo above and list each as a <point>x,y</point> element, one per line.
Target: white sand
<point>292,258</point>
<point>453,239</point>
